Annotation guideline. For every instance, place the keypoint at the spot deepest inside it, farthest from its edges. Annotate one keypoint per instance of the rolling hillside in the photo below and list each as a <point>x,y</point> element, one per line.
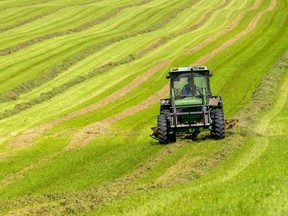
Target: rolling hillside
<point>80,83</point>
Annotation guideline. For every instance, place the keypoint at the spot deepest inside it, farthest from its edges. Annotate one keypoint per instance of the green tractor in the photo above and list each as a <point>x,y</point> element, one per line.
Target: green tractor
<point>191,107</point>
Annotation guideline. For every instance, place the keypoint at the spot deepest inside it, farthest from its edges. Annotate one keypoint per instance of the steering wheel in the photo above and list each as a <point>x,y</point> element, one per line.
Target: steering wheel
<point>198,89</point>
<point>177,92</point>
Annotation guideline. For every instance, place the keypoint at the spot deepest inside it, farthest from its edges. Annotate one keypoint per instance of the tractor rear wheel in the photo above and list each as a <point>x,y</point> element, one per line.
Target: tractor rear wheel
<point>164,134</point>
<point>163,129</point>
<point>218,125</point>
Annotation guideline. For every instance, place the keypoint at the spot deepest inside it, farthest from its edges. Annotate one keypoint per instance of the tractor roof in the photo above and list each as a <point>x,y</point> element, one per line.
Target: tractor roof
<point>186,69</point>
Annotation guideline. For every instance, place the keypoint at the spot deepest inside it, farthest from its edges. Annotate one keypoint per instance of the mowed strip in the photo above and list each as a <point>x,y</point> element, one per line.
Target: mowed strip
<point>19,4</point>
<point>13,18</point>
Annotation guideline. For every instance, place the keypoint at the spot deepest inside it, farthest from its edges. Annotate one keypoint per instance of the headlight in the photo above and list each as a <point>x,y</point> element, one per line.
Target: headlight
<point>165,102</point>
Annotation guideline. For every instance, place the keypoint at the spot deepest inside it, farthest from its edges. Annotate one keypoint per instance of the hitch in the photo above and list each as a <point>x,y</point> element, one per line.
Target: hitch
<point>154,133</point>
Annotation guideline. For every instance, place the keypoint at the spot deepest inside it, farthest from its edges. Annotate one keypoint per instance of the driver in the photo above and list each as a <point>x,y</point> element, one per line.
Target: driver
<point>187,88</point>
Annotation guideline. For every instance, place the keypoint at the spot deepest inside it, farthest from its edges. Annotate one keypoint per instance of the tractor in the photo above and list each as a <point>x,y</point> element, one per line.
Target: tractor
<point>191,107</point>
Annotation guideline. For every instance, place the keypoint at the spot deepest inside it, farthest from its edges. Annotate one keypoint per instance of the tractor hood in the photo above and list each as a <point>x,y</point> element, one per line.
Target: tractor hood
<point>189,101</point>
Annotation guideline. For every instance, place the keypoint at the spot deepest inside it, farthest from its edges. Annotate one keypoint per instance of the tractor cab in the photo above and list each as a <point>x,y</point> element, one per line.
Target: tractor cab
<point>189,85</point>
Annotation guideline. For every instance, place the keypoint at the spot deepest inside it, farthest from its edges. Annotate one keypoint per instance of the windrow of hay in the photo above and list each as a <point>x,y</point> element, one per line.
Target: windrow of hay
<point>25,5</point>
<point>48,13</point>
<point>264,94</point>
<point>31,19</point>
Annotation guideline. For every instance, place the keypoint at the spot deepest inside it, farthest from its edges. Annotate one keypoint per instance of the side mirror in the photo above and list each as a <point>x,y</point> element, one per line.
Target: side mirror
<point>210,73</point>
<point>168,76</point>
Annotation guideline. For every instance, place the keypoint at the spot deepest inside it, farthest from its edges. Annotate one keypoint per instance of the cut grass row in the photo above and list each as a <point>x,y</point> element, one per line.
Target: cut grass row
<point>14,18</point>
<point>4,5</point>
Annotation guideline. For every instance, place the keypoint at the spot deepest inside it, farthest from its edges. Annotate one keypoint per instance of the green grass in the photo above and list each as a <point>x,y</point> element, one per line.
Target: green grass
<point>57,72</point>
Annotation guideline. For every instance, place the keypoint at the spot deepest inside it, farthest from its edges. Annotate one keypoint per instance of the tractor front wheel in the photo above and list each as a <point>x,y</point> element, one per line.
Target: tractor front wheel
<point>218,125</point>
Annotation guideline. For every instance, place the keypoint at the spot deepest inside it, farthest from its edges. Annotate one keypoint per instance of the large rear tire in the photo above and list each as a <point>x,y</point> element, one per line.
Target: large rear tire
<point>164,134</point>
<point>163,129</point>
<point>218,125</point>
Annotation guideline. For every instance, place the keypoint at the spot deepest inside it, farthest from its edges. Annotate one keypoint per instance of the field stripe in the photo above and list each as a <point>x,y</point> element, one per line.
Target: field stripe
<point>247,61</point>
<point>8,179</point>
<point>67,63</point>
<point>252,25</point>
<point>40,16</point>
<point>254,153</point>
<point>204,18</point>
<point>117,186</point>
<point>232,26</point>
<point>23,5</point>
<point>84,136</point>
<point>32,19</point>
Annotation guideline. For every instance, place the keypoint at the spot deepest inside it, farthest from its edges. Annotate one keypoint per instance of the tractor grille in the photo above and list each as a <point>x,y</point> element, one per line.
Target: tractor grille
<point>190,116</point>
